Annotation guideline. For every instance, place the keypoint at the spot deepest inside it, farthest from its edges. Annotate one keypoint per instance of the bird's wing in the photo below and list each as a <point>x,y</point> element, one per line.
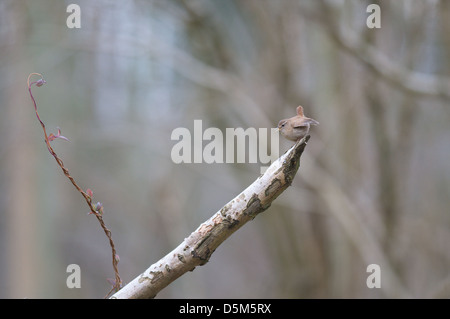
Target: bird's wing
<point>306,122</point>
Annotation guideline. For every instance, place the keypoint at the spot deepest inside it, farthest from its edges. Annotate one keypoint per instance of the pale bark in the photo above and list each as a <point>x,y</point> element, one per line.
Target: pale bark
<point>196,249</point>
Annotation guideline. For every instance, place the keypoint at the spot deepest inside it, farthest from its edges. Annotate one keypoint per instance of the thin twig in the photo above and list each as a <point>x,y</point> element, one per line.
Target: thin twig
<point>95,209</point>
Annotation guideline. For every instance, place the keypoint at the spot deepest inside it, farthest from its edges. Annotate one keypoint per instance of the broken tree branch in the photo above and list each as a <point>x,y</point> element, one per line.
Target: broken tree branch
<point>196,249</point>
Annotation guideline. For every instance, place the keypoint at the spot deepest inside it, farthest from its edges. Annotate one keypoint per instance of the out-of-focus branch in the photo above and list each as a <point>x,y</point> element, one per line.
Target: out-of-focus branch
<point>349,216</point>
<point>210,77</point>
<point>412,82</point>
<point>388,69</point>
<point>196,249</point>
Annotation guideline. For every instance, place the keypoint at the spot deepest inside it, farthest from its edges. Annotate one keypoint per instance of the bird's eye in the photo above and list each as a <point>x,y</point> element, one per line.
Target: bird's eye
<point>282,125</point>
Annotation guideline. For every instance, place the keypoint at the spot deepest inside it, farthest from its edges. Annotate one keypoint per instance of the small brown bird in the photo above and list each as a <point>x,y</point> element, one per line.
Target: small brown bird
<point>295,128</point>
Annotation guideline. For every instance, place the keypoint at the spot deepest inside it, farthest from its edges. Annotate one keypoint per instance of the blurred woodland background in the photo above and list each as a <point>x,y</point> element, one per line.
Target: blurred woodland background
<point>374,182</point>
